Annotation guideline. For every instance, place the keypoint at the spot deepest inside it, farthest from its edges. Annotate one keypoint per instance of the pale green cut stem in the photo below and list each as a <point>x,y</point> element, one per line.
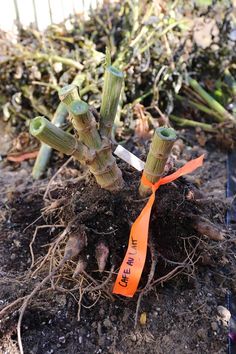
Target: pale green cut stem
<point>103,164</point>
<point>56,58</point>
<point>201,107</point>
<point>183,122</point>
<point>58,119</point>
<point>113,81</point>
<point>56,138</point>
<point>42,161</point>
<point>159,152</point>
<point>45,151</point>
<point>223,113</point>
<point>85,124</point>
<point>68,94</point>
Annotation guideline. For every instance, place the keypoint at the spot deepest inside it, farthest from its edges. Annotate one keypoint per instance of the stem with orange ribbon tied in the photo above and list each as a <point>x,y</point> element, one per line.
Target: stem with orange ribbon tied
<point>159,152</point>
<point>131,269</point>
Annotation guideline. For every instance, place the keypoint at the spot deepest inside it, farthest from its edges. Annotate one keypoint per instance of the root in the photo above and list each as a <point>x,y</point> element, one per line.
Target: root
<point>204,227</point>
<point>51,251</point>
<point>11,305</point>
<point>16,302</point>
<point>73,246</point>
<point>34,237</point>
<point>101,254</point>
<point>72,250</point>
<point>47,192</point>
<point>103,284</point>
<point>29,298</point>
<point>189,261</point>
<point>100,286</point>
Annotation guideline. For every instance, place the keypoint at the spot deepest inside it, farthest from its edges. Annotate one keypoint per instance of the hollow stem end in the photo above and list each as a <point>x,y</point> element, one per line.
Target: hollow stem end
<point>167,134</point>
<point>114,71</point>
<point>78,108</point>
<point>68,94</point>
<point>37,125</point>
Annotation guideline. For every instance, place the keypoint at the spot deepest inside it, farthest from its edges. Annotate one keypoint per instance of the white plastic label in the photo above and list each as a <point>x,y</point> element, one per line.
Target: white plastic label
<point>130,158</point>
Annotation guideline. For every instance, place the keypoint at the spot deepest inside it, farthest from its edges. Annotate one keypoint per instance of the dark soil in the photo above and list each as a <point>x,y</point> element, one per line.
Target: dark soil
<point>181,313</point>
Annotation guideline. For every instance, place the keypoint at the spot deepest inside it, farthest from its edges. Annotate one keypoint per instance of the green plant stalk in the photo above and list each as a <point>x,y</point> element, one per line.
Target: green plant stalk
<point>86,89</point>
<point>102,165</point>
<point>159,152</point>
<point>82,92</point>
<point>124,55</point>
<point>68,94</point>
<point>56,58</point>
<point>85,124</point>
<point>200,106</point>
<point>57,139</point>
<point>45,151</point>
<point>113,81</point>
<point>223,113</point>
<point>183,122</point>
<point>42,161</point>
<point>193,94</point>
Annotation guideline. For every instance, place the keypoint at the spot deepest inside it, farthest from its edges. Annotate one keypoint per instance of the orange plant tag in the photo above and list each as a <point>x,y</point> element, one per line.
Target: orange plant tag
<point>132,266</point>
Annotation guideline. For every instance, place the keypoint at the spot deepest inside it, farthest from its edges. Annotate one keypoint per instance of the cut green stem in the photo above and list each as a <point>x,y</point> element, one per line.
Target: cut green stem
<point>41,161</point>
<point>68,94</point>
<point>110,98</point>
<point>45,151</point>
<point>200,107</point>
<point>57,139</point>
<point>183,122</point>
<point>159,152</point>
<point>56,58</point>
<point>223,113</point>
<point>103,165</point>
<point>85,124</point>
<point>58,119</point>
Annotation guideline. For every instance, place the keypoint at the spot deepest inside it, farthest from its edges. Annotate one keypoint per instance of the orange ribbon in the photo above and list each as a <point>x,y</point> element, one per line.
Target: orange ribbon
<point>22,157</point>
<point>132,266</point>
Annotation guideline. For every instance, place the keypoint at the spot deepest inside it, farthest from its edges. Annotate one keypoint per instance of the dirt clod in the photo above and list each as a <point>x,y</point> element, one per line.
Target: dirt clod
<point>224,313</point>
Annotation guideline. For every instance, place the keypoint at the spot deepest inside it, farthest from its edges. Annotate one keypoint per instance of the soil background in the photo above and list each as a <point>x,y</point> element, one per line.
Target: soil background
<point>181,314</point>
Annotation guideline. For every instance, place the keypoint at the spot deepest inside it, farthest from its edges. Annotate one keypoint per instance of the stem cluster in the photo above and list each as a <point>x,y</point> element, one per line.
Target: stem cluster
<point>91,144</point>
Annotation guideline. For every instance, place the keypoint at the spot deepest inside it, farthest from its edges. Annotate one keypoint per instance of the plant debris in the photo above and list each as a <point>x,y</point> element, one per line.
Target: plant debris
<point>151,43</point>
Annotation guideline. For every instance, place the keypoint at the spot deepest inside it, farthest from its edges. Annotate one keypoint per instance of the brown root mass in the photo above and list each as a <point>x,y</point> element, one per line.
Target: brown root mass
<point>102,217</point>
